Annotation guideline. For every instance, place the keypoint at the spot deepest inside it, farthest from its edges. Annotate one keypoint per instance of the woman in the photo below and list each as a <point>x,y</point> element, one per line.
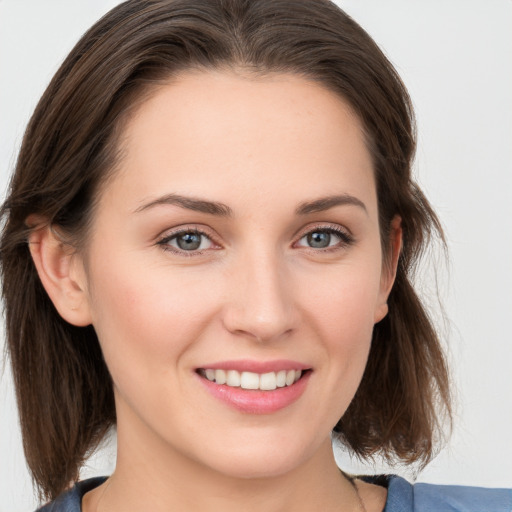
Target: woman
<point>221,228</point>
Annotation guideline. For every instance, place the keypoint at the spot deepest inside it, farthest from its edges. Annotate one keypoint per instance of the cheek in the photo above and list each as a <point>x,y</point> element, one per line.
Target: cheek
<point>145,320</point>
<point>341,314</point>
<point>343,302</point>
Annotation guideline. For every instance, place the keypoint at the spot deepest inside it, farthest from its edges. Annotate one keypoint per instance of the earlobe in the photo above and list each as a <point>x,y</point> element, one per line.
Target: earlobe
<point>61,274</point>
<point>380,312</point>
<point>389,268</point>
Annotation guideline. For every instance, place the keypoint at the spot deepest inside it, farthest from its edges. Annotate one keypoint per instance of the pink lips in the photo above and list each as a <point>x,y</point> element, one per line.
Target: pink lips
<point>247,365</point>
<point>257,401</point>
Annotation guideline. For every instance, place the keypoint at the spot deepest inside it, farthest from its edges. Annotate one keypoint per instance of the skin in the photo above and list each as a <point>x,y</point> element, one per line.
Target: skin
<point>255,290</point>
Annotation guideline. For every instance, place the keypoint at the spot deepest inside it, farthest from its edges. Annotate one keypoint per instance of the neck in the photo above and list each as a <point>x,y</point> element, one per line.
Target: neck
<point>174,482</point>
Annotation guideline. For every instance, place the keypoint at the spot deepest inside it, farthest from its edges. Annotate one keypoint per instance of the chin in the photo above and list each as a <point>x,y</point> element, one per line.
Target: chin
<point>254,460</point>
<point>258,468</point>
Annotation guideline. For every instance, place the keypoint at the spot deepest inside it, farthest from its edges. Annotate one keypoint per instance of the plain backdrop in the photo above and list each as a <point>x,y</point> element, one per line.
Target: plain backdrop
<point>455,57</point>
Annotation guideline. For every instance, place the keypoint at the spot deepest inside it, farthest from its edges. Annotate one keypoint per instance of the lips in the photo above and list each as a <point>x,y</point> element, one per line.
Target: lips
<point>255,387</point>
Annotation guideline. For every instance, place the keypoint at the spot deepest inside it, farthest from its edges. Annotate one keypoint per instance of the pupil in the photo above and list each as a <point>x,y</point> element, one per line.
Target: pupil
<point>189,241</point>
<point>319,239</point>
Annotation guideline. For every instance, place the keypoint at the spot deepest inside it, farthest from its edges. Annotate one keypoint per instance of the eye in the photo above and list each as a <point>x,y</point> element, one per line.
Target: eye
<point>325,238</point>
<point>190,240</point>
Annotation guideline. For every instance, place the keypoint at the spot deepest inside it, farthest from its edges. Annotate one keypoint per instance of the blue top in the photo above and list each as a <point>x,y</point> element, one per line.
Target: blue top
<point>402,497</point>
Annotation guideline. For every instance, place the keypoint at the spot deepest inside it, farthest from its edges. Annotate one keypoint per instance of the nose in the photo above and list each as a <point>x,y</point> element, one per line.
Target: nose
<point>259,305</point>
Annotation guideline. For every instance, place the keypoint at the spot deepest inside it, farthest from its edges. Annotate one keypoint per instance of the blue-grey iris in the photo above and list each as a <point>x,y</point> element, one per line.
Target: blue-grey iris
<point>319,239</point>
<point>189,241</point>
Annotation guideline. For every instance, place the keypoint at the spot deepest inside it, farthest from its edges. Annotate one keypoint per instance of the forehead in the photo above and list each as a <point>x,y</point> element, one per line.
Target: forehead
<point>215,134</point>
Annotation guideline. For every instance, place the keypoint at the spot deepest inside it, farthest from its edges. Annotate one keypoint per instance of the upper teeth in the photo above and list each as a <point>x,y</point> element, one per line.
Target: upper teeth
<point>249,380</point>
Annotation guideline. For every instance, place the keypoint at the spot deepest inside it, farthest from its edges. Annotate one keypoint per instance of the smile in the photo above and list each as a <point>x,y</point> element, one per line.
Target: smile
<point>255,387</point>
<point>252,381</point>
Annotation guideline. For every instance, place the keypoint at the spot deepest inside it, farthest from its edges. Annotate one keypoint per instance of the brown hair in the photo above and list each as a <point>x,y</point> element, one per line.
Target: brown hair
<point>64,390</point>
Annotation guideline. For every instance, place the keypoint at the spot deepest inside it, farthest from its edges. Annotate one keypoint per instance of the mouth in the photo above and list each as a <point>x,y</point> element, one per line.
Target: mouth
<point>268,381</point>
<point>256,387</point>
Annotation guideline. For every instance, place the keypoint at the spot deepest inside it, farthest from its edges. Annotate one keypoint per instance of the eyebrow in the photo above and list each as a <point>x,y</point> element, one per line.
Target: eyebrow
<point>222,210</point>
<point>190,203</point>
<point>325,203</point>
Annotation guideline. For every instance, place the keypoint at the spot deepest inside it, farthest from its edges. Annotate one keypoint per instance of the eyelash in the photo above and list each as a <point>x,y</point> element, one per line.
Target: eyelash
<point>346,240</point>
<point>164,241</point>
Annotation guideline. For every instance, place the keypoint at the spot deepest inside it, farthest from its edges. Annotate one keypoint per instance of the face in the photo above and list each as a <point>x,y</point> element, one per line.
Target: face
<point>239,240</point>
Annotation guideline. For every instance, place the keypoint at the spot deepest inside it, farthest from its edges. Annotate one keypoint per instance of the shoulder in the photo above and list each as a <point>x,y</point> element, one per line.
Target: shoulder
<point>406,497</point>
<point>71,501</point>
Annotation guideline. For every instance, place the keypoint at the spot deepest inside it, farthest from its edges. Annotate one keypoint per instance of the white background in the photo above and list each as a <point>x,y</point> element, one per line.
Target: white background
<point>455,57</point>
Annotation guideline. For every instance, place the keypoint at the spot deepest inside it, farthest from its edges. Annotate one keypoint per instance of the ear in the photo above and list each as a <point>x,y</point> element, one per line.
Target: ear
<point>61,273</point>
<point>389,268</point>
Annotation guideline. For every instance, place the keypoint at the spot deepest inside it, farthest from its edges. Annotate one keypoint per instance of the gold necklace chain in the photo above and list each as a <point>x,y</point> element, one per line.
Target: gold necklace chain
<point>107,483</point>
<point>361,502</point>
<point>352,479</point>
